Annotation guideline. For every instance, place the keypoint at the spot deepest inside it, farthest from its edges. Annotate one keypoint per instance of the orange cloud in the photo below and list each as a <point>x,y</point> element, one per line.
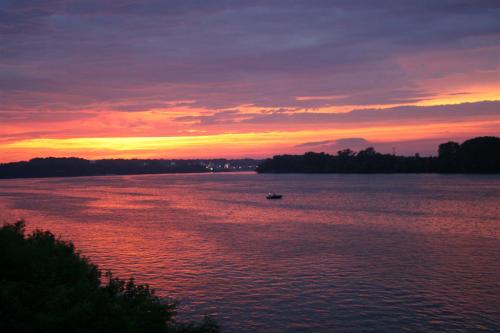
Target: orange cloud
<point>259,144</point>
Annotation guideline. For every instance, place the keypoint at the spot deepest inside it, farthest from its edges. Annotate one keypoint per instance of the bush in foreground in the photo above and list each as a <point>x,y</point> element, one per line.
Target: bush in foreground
<point>46,286</point>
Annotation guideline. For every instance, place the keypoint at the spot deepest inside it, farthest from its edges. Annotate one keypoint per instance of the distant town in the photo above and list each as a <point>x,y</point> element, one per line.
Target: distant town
<point>73,166</point>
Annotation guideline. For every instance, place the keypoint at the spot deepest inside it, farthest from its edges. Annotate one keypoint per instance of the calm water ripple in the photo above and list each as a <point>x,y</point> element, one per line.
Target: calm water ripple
<point>341,253</point>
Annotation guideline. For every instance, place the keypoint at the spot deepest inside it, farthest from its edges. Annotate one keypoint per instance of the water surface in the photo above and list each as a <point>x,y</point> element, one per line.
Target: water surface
<point>343,253</point>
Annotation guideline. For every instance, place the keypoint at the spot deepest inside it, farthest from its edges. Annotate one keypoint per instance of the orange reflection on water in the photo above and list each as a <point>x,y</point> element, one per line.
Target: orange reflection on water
<point>384,251</point>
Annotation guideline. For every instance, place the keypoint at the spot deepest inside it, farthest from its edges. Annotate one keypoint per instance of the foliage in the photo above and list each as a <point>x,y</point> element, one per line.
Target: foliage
<point>480,154</point>
<point>72,166</point>
<point>46,286</point>
<point>346,161</point>
<point>477,155</point>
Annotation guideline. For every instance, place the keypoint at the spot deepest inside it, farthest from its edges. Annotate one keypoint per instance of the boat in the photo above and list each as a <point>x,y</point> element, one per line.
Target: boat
<point>272,196</point>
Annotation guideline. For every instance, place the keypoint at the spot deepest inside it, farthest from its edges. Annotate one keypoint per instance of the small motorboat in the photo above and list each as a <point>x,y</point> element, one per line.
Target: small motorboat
<point>272,196</point>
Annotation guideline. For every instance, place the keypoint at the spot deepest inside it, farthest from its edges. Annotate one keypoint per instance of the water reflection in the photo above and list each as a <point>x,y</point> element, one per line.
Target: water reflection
<point>344,253</point>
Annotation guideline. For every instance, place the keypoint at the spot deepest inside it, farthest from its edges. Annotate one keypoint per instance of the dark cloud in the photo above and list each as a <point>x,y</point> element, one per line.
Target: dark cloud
<point>338,143</point>
<point>316,143</point>
<point>351,141</point>
<point>227,53</point>
<point>355,144</point>
<point>388,116</point>
<point>395,114</point>
<point>6,138</point>
<point>221,117</point>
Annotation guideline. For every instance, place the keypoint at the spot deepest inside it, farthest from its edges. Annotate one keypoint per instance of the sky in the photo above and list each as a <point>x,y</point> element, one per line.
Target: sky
<point>186,79</point>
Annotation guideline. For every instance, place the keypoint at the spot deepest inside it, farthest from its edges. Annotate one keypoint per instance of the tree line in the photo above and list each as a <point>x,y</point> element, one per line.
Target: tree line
<point>73,166</point>
<point>476,155</point>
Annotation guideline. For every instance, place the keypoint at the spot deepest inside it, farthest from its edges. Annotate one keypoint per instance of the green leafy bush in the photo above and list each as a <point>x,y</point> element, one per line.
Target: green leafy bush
<point>46,286</point>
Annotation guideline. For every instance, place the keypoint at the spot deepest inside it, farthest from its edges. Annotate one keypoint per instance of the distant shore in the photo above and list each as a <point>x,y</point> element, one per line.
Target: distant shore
<point>79,167</point>
<point>477,155</point>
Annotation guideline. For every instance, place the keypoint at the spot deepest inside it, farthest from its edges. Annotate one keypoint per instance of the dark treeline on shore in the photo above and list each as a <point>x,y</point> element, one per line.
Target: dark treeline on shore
<point>477,155</point>
<point>72,166</point>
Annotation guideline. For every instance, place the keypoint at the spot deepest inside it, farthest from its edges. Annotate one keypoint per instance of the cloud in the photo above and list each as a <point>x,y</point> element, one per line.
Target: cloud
<point>337,144</point>
<point>41,116</point>
<point>348,142</point>
<point>214,53</point>
<point>356,120</point>
<point>6,138</point>
<point>316,143</point>
<point>388,115</point>
<point>221,117</point>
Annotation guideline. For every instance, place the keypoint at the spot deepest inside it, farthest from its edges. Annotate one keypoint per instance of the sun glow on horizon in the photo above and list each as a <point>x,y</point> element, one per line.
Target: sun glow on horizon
<point>221,87</point>
<point>252,144</point>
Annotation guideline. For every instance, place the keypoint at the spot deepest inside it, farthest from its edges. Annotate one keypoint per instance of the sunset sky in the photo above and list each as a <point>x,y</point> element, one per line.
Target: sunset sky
<point>187,79</point>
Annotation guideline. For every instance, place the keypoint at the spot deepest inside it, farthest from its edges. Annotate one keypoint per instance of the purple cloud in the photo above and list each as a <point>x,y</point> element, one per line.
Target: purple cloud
<point>395,114</point>
<point>223,54</point>
<point>346,142</point>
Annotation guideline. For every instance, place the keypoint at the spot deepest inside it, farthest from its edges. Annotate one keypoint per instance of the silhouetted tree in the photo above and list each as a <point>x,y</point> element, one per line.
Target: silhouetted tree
<point>476,155</point>
<point>448,156</point>
<point>480,155</point>
<point>345,153</point>
<point>368,152</point>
